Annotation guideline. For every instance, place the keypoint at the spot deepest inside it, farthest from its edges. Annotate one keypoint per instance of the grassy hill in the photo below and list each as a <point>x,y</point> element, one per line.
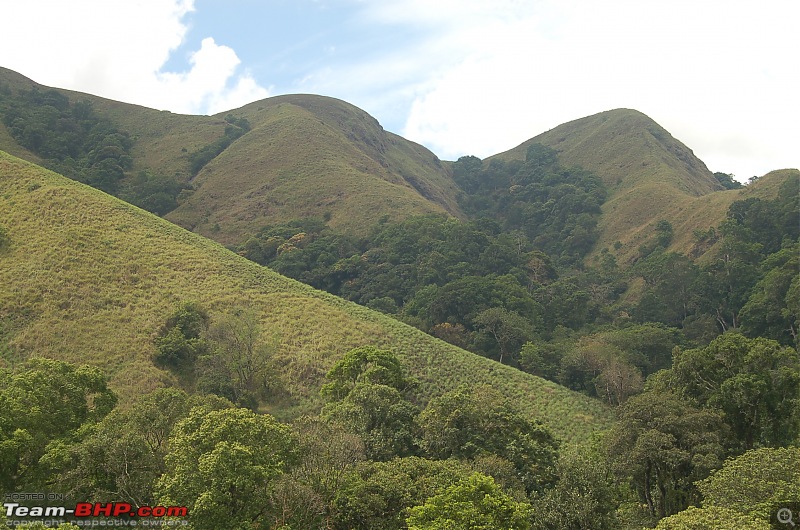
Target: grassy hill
<point>304,156</point>
<point>649,174</point>
<point>88,278</point>
<point>313,156</point>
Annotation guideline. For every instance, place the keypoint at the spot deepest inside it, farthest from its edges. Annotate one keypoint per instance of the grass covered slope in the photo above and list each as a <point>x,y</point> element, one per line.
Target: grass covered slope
<point>305,155</point>
<point>313,156</point>
<point>649,174</point>
<point>88,278</point>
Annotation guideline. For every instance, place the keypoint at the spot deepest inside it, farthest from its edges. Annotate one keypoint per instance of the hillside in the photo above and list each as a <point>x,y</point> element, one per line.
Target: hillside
<point>313,156</point>
<point>649,174</point>
<point>88,278</point>
<point>303,156</point>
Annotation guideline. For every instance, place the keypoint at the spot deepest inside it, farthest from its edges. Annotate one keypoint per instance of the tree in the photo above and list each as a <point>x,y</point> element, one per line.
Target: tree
<point>717,517</point>
<point>664,445</point>
<point>223,465</point>
<point>757,483</point>
<point>727,180</point>
<point>601,369</point>
<point>509,330</point>
<point>42,408</point>
<point>377,495</point>
<point>120,458</point>
<point>303,497</point>
<point>238,364</point>
<point>366,364</point>
<point>180,340</point>
<point>476,503</point>
<point>365,393</point>
<point>753,381</point>
<point>768,312</point>
<point>585,496</point>
<point>381,416</point>
<point>468,423</point>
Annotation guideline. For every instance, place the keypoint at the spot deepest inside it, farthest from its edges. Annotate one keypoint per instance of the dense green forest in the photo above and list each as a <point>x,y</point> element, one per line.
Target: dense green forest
<point>524,297</point>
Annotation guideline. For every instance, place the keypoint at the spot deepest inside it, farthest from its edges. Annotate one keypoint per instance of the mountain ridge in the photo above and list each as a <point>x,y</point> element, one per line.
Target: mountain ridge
<point>315,156</point>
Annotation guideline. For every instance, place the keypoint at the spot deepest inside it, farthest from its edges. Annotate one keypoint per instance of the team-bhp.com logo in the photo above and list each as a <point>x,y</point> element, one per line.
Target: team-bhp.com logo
<point>119,510</point>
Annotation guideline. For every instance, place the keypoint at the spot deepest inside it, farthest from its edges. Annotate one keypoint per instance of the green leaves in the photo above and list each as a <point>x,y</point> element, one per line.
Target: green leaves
<point>754,381</point>
<point>365,390</point>
<point>664,445</point>
<point>366,364</point>
<point>469,423</point>
<point>223,464</point>
<point>45,403</point>
<point>757,483</point>
<point>476,503</point>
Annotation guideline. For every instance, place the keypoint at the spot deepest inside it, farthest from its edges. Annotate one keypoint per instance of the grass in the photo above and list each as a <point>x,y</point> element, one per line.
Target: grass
<point>305,156</point>
<point>649,174</point>
<point>310,156</point>
<point>88,278</point>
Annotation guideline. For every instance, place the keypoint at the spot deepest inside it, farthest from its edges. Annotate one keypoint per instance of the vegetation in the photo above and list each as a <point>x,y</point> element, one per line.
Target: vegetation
<point>236,128</point>
<point>186,375</point>
<point>76,141</point>
<point>126,273</point>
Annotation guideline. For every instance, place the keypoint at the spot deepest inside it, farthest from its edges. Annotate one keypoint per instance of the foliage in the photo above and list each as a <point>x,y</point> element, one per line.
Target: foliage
<point>377,495</point>
<point>122,456</point>
<point>753,381</point>
<point>476,503</point>
<point>757,483</point>
<point>467,423</point>
<point>365,392</point>
<point>238,363</point>
<point>717,517</point>
<point>235,129</point>
<point>42,406</point>
<point>727,181</point>
<point>663,445</point>
<point>585,495</point>
<point>556,208</point>
<point>71,137</point>
<point>223,464</point>
<point>180,340</point>
<point>601,369</point>
<point>772,310</point>
<point>152,192</point>
<point>508,328</point>
<point>366,364</point>
<point>381,416</point>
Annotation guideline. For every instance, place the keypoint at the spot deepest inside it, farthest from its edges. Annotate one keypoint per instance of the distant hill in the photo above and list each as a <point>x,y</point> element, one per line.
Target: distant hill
<point>649,174</point>
<point>304,155</point>
<point>314,156</point>
<point>89,278</point>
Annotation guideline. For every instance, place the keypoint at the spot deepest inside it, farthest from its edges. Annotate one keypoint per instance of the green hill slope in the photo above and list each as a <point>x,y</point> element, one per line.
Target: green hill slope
<point>313,156</point>
<point>305,155</point>
<point>88,278</point>
<point>649,174</point>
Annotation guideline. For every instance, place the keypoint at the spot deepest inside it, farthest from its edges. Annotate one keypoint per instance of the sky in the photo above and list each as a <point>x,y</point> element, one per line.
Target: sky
<point>461,77</point>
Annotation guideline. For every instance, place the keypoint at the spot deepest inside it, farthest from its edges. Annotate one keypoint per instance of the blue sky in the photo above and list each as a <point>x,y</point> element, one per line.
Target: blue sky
<point>458,76</point>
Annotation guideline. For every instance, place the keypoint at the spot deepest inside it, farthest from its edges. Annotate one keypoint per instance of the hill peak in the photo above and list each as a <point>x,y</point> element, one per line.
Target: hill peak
<point>649,174</point>
<point>626,148</point>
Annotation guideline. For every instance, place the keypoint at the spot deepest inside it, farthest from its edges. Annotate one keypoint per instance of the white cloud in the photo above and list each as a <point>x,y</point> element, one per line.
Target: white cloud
<point>722,76</point>
<point>118,50</point>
